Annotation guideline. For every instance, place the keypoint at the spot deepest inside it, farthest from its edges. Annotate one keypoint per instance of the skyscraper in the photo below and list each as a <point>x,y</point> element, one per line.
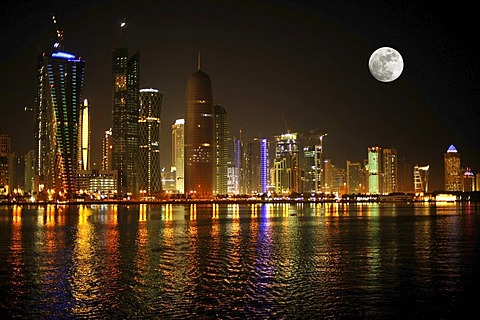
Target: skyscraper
<point>178,149</point>
<point>84,137</point>
<point>453,173</point>
<point>287,163</point>
<point>126,104</point>
<point>199,136</point>
<point>107,150</point>
<point>353,177</point>
<point>59,89</point>
<point>390,170</point>
<point>6,164</point>
<point>221,149</point>
<point>374,170</point>
<point>150,179</point>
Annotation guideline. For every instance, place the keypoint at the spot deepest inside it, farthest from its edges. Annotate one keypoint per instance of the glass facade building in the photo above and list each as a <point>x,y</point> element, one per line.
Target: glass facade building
<point>150,178</point>
<point>453,173</point>
<point>199,136</point>
<point>126,105</point>
<point>60,77</point>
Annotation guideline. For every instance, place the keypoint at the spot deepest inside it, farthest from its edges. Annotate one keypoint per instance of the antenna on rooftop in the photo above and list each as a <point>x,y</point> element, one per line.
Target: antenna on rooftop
<point>198,61</point>
<point>58,45</point>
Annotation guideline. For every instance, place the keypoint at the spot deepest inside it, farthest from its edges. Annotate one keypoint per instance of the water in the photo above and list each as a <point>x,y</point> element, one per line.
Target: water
<point>279,261</point>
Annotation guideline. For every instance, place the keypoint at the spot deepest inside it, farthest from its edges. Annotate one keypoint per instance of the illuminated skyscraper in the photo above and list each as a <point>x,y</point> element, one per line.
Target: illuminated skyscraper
<point>374,170</point>
<point>453,173</point>
<point>84,136</point>
<point>286,164</point>
<point>199,136</point>
<point>353,177</point>
<point>58,105</point>
<point>221,149</point>
<point>150,179</point>
<point>107,150</point>
<point>390,170</point>
<point>178,150</point>
<point>6,164</point>
<point>126,105</point>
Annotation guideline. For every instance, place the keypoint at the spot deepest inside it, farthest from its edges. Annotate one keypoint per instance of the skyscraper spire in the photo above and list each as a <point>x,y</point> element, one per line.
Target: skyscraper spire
<point>198,61</point>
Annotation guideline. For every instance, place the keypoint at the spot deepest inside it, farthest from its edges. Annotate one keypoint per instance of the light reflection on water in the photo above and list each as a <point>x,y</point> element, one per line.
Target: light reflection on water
<point>231,260</point>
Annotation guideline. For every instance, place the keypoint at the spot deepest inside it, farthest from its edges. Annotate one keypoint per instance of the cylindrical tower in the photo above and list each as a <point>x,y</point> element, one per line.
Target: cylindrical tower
<point>199,136</point>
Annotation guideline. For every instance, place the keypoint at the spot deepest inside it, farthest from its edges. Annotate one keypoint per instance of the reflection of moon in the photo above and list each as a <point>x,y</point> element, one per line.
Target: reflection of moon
<point>385,64</point>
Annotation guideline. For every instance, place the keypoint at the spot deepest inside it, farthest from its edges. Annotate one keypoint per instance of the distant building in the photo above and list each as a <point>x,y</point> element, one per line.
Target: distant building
<point>6,164</point>
<point>389,170</point>
<point>126,105</point>
<point>31,180</point>
<point>199,136</point>
<point>60,78</point>
<point>453,174</point>
<point>468,181</point>
<point>107,149</point>
<point>84,137</point>
<point>374,170</point>
<point>102,183</point>
<point>149,175</point>
<point>353,177</point>
<point>420,178</point>
<point>178,151</point>
<point>287,164</point>
<point>221,149</point>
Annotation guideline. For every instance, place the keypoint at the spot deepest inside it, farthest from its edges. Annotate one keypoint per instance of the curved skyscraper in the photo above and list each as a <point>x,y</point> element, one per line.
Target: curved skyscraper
<point>199,136</point>
<point>58,105</point>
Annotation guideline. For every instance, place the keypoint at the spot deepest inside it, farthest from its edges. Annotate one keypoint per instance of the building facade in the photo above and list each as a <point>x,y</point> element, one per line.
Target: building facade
<point>149,176</point>
<point>389,170</point>
<point>178,151</point>
<point>60,77</point>
<point>126,105</point>
<point>199,136</point>
<point>221,149</point>
<point>84,137</point>
<point>374,170</point>
<point>453,173</point>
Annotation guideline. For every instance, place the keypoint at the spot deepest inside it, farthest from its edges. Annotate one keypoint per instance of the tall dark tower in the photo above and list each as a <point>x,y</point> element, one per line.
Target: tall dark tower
<point>199,135</point>
<point>60,78</point>
<point>126,106</point>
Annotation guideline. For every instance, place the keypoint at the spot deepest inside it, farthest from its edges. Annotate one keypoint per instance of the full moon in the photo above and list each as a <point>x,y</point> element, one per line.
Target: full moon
<point>385,64</point>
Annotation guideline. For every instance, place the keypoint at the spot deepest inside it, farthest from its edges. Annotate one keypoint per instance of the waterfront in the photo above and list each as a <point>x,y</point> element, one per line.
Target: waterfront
<point>327,260</point>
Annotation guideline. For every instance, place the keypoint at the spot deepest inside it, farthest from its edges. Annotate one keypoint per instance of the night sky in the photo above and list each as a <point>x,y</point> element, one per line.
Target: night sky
<point>274,65</point>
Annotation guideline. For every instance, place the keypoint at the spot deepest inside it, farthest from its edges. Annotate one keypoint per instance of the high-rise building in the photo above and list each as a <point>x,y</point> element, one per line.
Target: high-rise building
<point>287,164</point>
<point>84,137</point>
<point>199,136</point>
<point>390,170</point>
<point>178,149</point>
<point>353,177</point>
<point>107,149</point>
<point>221,149</point>
<point>126,105</point>
<point>31,179</point>
<point>6,163</point>
<point>453,173</point>
<point>420,179</point>
<point>468,182</point>
<point>150,178</point>
<point>60,78</point>
<point>312,162</point>
<point>374,170</point>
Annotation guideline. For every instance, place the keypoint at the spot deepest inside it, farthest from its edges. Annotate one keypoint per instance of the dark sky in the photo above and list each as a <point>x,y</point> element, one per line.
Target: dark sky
<point>273,65</point>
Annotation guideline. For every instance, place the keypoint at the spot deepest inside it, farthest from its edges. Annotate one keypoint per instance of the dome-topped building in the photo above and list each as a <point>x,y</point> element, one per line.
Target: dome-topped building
<point>199,135</point>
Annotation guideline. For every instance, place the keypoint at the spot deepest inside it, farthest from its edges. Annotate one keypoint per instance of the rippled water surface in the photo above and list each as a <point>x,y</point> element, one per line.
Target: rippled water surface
<point>240,261</point>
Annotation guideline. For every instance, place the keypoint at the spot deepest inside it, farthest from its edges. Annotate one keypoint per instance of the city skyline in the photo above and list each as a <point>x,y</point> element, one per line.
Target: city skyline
<point>306,63</point>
